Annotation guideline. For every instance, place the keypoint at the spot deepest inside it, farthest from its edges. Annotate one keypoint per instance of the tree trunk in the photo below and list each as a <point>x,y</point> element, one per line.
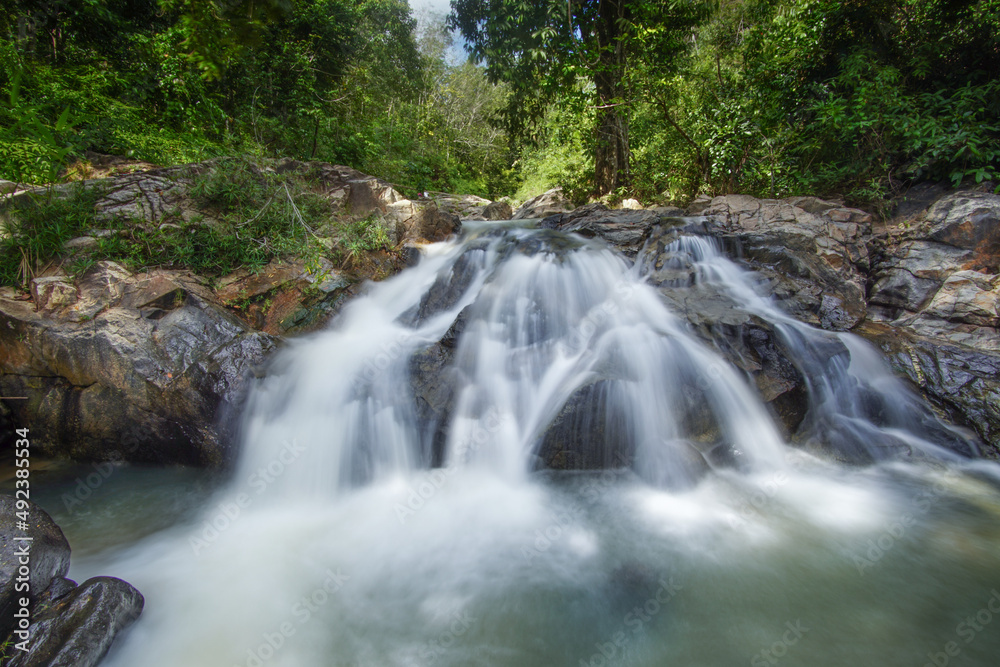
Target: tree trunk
<point>611,162</point>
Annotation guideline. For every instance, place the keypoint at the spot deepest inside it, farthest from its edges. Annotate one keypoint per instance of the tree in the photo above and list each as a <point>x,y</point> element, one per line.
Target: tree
<point>582,47</point>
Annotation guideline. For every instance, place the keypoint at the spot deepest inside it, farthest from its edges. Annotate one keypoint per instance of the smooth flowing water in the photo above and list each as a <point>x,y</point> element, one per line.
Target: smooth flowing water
<point>363,528</point>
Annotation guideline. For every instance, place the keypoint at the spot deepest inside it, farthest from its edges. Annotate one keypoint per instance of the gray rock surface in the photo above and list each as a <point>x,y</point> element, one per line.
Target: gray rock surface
<point>546,204</point>
<point>814,252</point>
<point>77,628</point>
<point>48,556</point>
<point>941,277</point>
<point>135,367</point>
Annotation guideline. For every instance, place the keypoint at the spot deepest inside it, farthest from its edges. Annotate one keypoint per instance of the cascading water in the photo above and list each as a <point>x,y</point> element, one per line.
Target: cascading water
<point>543,318</point>
<point>857,406</point>
<point>393,503</point>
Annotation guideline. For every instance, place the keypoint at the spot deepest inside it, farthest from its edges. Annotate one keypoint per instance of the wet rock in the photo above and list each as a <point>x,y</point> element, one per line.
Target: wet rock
<point>77,628</point>
<point>149,358</point>
<point>544,205</point>
<point>756,349</point>
<point>498,210</point>
<point>588,434</point>
<point>450,287</point>
<point>625,230</point>
<point>813,252</point>
<point>48,554</point>
<point>963,381</point>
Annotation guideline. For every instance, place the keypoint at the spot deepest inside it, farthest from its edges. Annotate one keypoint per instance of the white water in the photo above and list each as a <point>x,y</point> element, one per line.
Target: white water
<point>336,544</point>
<point>856,405</point>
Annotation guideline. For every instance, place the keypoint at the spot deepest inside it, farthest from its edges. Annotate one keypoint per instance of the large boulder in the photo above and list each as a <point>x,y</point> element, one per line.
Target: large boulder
<point>136,367</point>
<point>963,381</point>
<point>77,628</point>
<point>626,230</point>
<point>940,277</point>
<point>814,252</point>
<point>53,622</point>
<point>48,556</point>
<point>498,210</point>
<point>466,207</point>
<point>546,204</point>
<point>422,221</point>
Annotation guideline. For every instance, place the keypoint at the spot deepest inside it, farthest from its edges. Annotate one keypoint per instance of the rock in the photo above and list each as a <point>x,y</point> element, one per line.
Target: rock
<point>632,205</point>
<point>967,220</point>
<point>437,225</point>
<point>544,205</point>
<point>963,380</point>
<point>498,210</point>
<point>940,278</point>
<point>53,293</point>
<point>586,435</point>
<point>450,287</point>
<point>136,369</point>
<point>623,229</point>
<point>7,187</point>
<point>422,222</point>
<point>699,204</point>
<point>246,285</point>
<point>967,296</point>
<point>77,628</point>
<point>466,207</point>
<point>151,195</point>
<point>81,243</point>
<point>433,382</point>
<point>48,550</point>
<point>913,273</point>
<point>349,191</point>
<point>916,200</point>
<point>815,257</point>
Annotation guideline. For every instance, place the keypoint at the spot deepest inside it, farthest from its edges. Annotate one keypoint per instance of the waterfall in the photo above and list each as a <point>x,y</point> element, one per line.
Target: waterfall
<point>543,319</point>
<point>856,406</point>
<point>520,451</point>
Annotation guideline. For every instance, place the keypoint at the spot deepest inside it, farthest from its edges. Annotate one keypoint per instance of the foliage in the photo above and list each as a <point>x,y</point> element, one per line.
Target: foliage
<point>35,229</point>
<point>257,216</point>
<point>173,81</point>
<point>852,98</point>
<point>545,50</point>
<point>658,99</point>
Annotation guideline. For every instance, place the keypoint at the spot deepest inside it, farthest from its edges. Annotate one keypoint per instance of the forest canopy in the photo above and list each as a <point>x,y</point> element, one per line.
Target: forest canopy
<point>656,99</point>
